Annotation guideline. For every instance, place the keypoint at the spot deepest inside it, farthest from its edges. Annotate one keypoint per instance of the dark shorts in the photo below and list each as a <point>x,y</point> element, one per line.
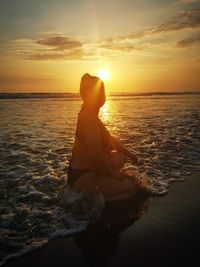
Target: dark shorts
<point>74,174</point>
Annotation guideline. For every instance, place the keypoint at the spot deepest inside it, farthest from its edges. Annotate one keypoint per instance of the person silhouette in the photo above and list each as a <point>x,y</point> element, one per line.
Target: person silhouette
<point>96,155</point>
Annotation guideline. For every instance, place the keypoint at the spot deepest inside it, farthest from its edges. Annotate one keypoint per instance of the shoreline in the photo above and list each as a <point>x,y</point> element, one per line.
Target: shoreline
<point>165,235</point>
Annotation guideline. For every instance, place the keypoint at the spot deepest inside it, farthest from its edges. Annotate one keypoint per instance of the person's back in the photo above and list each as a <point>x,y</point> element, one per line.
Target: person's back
<point>80,157</point>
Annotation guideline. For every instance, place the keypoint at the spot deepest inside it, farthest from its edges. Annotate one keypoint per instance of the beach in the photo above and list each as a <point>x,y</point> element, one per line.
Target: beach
<point>38,209</point>
<point>167,234</point>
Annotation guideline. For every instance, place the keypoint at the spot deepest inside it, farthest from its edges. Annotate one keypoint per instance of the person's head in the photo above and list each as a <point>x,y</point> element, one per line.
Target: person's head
<point>92,91</point>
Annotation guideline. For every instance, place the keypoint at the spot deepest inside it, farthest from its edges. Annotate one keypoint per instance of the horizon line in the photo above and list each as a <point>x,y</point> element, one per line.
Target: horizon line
<point>197,91</point>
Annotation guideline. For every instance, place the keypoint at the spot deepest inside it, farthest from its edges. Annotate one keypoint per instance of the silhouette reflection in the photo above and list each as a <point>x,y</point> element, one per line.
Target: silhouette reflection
<point>100,240</point>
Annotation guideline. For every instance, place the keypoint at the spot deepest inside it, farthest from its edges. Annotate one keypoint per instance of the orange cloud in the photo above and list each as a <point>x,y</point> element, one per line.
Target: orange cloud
<point>61,47</point>
<point>186,19</point>
<point>54,55</point>
<point>188,42</point>
<point>60,43</point>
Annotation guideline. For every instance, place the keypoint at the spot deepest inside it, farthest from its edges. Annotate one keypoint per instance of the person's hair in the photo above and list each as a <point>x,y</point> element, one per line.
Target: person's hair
<point>91,88</point>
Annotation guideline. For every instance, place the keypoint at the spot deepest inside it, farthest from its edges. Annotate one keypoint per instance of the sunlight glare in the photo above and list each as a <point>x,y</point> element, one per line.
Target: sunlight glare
<point>103,74</point>
<point>105,111</point>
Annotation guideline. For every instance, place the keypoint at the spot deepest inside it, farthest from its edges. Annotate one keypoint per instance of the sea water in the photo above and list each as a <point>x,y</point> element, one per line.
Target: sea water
<point>36,137</point>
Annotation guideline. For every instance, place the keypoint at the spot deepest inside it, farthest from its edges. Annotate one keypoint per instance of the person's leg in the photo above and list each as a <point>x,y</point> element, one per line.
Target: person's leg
<point>108,186</point>
<point>121,196</point>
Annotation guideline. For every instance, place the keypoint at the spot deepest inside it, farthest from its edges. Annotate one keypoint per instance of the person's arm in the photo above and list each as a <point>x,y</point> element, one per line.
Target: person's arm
<point>125,151</point>
<point>119,147</point>
<point>92,138</point>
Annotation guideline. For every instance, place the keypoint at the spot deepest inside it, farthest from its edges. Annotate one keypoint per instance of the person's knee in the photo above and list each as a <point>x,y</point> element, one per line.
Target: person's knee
<point>85,183</point>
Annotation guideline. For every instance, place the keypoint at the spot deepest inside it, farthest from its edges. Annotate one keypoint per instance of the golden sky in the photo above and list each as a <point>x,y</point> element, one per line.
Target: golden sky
<point>46,46</point>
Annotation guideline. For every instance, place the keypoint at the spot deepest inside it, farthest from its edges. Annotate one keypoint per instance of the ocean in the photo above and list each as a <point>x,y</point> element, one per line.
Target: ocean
<point>36,137</point>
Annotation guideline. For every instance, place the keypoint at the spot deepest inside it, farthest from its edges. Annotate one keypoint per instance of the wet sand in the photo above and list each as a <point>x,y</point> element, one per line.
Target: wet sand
<point>167,234</point>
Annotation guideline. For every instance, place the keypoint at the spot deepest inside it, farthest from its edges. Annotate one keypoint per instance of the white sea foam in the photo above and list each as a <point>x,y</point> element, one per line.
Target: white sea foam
<point>35,143</point>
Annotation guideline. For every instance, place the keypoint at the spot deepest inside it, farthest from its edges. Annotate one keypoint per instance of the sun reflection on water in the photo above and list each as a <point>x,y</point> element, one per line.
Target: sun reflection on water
<point>105,111</point>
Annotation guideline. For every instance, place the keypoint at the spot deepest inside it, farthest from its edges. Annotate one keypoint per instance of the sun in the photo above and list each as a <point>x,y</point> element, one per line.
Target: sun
<point>103,75</point>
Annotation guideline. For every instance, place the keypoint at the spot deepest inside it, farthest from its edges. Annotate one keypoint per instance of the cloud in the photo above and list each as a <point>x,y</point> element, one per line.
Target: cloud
<point>186,19</point>
<point>72,55</point>
<point>123,43</point>
<point>120,46</point>
<point>10,79</point>
<point>186,1</point>
<point>46,48</point>
<point>132,36</point>
<point>60,43</point>
<point>188,42</point>
<point>57,46</point>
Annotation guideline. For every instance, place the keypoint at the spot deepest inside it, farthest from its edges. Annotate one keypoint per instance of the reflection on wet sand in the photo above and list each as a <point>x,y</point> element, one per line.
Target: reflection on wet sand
<point>100,240</point>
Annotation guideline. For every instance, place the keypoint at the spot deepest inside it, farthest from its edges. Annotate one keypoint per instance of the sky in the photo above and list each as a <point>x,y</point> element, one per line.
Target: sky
<point>145,46</point>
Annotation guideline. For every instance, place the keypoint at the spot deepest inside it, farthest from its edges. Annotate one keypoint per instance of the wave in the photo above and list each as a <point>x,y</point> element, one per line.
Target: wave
<point>77,96</point>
